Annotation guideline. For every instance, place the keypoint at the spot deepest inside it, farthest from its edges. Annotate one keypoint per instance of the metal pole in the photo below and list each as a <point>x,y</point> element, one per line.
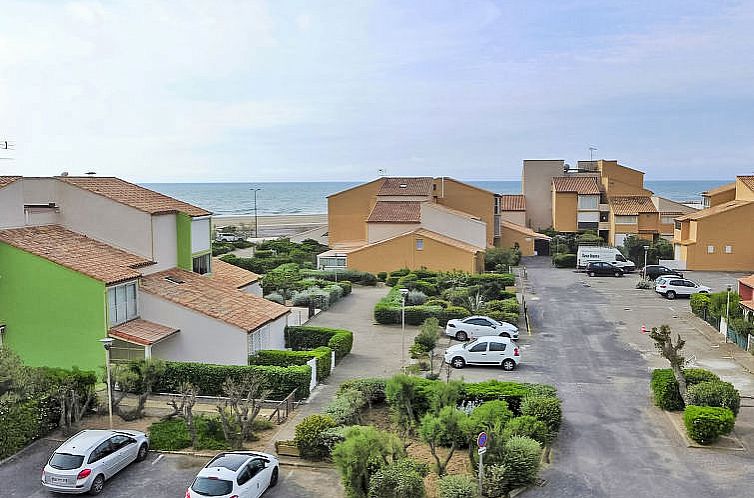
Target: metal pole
<point>256,218</point>
<point>403,329</point>
<point>109,388</point>
<point>481,473</point>
<point>646,250</point>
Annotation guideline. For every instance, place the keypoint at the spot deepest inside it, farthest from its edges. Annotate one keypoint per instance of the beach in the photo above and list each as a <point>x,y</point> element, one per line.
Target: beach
<point>279,225</point>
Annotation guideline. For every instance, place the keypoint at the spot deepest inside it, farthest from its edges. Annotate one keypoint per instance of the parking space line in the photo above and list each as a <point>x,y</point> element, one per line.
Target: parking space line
<point>160,457</point>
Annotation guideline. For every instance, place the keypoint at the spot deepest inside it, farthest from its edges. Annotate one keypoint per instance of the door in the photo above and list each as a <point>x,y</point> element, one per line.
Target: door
<point>103,459</point>
<point>124,448</point>
<point>477,353</point>
<point>246,487</point>
<point>481,327</point>
<point>259,479</point>
<point>496,352</point>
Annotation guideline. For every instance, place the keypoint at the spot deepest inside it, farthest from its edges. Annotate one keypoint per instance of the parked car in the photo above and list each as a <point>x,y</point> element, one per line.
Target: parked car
<point>84,462</point>
<point>228,237</point>
<point>602,268</point>
<point>239,474</point>
<point>672,287</point>
<point>478,326</point>
<point>589,254</point>
<point>492,350</point>
<point>653,271</point>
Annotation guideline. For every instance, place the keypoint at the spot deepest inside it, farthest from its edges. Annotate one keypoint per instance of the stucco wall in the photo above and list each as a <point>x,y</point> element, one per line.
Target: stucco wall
<point>564,211</point>
<point>722,197</point>
<point>269,336</point>
<point>12,205</point>
<point>517,217</point>
<point>164,240</point>
<point>743,193</point>
<point>468,199</point>
<point>455,226</point>
<point>201,338</point>
<point>382,231</point>
<point>621,180</point>
<point>536,185</point>
<point>509,238</point>
<point>347,212</point>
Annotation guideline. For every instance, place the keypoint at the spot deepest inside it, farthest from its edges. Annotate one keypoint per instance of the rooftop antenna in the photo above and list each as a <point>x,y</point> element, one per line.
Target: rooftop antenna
<point>382,172</point>
<point>7,145</point>
<point>90,173</point>
<point>592,148</point>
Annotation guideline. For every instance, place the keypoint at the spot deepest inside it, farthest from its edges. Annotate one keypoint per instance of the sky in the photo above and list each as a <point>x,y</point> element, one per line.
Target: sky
<point>338,90</point>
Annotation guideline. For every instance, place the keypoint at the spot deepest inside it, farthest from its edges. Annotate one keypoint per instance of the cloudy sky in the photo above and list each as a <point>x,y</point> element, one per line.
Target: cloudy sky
<point>335,90</point>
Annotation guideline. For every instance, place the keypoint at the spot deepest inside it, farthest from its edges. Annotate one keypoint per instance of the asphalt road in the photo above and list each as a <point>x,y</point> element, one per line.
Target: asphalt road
<point>160,476</point>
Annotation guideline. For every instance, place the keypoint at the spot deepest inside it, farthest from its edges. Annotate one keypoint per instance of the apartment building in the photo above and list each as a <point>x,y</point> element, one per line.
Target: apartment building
<point>83,258</point>
<point>720,237</point>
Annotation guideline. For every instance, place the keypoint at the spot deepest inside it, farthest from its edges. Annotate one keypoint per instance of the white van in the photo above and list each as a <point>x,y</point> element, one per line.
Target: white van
<point>587,254</point>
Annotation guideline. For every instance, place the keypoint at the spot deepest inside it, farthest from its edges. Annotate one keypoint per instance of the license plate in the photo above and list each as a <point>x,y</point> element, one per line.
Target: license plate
<point>58,480</point>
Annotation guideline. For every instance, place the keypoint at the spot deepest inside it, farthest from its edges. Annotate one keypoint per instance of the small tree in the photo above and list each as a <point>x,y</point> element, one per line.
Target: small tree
<point>429,335</point>
<point>400,392</point>
<point>240,407</point>
<point>403,478</point>
<point>134,377</point>
<point>446,428</point>
<point>282,278</point>
<point>72,406</point>
<point>672,353</point>
<point>185,410</point>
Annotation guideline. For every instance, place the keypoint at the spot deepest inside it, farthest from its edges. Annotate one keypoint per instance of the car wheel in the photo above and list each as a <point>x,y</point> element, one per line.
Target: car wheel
<point>142,454</point>
<point>509,364</point>
<point>97,485</point>
<point>462,336</point>
<point>618,274</point>
<point>590,273</point>
<point>505,334</point>
<point>670,295</point>
<point>274,478</point>
<point>458,362</point>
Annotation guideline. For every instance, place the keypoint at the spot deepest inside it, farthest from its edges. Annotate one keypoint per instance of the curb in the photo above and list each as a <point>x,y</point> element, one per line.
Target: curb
<point>283,462</point>
<point>690,443</point>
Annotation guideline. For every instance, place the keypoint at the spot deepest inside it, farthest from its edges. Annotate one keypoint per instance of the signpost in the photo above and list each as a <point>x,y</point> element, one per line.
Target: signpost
<point>481,442</point>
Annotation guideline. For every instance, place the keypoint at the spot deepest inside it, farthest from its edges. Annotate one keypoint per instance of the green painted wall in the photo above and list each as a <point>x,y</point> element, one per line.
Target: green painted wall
<point>183,230</point>
<point>54,316</point>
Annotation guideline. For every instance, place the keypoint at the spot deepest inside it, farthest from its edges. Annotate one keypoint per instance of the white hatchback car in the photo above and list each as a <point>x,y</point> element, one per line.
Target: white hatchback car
<point>479,326</point>
<point>84,462</point>
<point>670,287</point>
<point>492,350</point>
<point>236,474</point>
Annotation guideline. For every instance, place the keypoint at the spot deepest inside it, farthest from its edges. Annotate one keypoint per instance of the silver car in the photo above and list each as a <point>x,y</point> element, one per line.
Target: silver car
<point>84,462</point>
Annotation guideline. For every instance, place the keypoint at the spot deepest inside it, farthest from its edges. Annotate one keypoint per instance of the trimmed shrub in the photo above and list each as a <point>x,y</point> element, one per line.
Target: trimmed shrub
<point>457,486</point>
<point>699,303</point>
<point>512,392</point>
<point>705,424</point>
<point>665,388</point>
<point>452,313</point>
<point>564,260</point>
<point>23,422</point>
<point>400,273</point>
<point>275,297</point>
<point>715,393</point>
<point>697,375</point>
<point>209,378</point>
<point>328,438</point>
<point>382,276</point>
<point>346,286</point>
<point>416,297</point>
<point>173,435</point>
<point>373,389</point>
<point>346,408</point>
<point>427,288</point>
<point>489,413</point>
<point>521,455</point>
<point>435,301</point>
<point>307,435</point>
<point>496,481</point>
<point>403,478</point>
<point>544,408</point>
<point>305,338</point>
<point>283,358</point>
<point>528,426</point>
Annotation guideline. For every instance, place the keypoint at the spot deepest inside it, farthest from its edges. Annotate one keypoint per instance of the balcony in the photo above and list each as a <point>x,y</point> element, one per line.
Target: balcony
<point>604,225</point>
<point>604,207</point>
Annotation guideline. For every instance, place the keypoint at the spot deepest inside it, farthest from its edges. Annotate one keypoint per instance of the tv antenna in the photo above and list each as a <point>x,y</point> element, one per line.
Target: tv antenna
<point>592,149</point>
<point>382,172</point>
<point>7,145</point>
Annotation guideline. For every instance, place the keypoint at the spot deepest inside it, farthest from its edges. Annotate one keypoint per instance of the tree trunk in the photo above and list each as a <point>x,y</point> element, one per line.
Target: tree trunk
<point>682,385</point>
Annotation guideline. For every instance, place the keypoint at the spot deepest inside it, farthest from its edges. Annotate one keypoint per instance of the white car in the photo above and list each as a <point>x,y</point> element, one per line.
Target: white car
<point>228,237</point>
<point>492,350</point>
<point>478,326</point>
<point>670,287</point>
<point>84,462</point>
<point>236,474</point>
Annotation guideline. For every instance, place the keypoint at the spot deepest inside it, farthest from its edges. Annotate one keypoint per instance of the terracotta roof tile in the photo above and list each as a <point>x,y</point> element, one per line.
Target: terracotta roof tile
<point>747,304</point>
<point>720,189</point>
<point>133,195</point>
<point>212,298</point>
<point>77,252</point>
<point>7,180</point>
<point>584,185</point>
<point>749,280</point>
<point>714,210</point>
<point>232,275</point>
<point>395,212</point>
<point>141,332</point>
<point>747,180</point>
<point>627,205</point>
<point>512,202</point>
<point>406,186</point>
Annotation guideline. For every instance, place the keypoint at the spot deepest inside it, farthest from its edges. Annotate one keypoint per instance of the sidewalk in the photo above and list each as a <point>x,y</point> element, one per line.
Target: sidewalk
<point>376,351</point>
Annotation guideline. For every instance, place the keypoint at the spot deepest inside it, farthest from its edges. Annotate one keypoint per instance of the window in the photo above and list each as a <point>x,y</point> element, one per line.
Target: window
<point>710,249</point>
<point>201,264</point>
<point>243,476</point>
<point>419,244</point>
<point>667,220</point>
<point>479,348</point>
<point>589,201</point>
<point>120,441</point>
<point>626,220</point>
<point>677,225</point>
<point>332,262</point>
<point>497,346</point>
<point>122,303</point>
<point>256,466</point>
<point>100,452</point>
<point>728,249</point>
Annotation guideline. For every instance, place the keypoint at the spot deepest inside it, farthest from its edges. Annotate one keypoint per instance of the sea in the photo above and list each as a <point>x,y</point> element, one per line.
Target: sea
<point>237,199</point>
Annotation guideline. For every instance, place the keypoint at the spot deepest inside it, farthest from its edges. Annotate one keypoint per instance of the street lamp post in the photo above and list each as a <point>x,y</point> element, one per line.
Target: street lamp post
<point>256,218</point>
<point>727,312</point>
<point>404,293</point>
<point>646,250</point>
<point>107,343</point>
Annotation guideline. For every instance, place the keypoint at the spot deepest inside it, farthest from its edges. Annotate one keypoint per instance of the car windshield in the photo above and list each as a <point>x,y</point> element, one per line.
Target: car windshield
<point>211,486</point>
<point>66,461</point>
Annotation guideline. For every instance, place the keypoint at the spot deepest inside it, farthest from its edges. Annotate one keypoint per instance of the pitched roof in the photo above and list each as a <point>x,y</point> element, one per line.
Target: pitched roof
<point>7,180</point>
<point>231,274</point>
<point>444,239</point>
<point>747,180</point>
<point>406,186</point>
<point>720,189</point>
<point>133,195</point>
<point>212,298</point>
<point>512,202</point>
<point>714,210</point>
<point>395,212</point>
<point>523,230</point>
<point>584,185</point>
<point>440,207</point>
<point>141,332</point>
<point>748,280</point>
<point>632,204</point>
<point>77,252</point>
<point>668,207</point>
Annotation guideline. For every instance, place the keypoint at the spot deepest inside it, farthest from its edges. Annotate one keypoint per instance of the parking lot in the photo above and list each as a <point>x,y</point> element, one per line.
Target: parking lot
<point>161,475</point>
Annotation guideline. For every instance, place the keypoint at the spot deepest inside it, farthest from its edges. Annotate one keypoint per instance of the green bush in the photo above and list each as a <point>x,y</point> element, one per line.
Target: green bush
<point>715,393</point>
<point>283,358</point>
<point>304,337</point>
<point>354,276</point>
<point>452,313</point>
<point>209,378</point>
<point>391,281</point>
<point>173,435</point>
<point>403,478</point>
<point>275,297</point>
<point>435,301</point>
<point>308,433</point>
<point>346,408</point>
<point>346,286</point>
<point>400,273</point>
<point>697,375</point>
<point>23,422</point>
<point>521,456</point>
<point>457,486</point>
<point>501,258</point>
<point>528,426</point>
<point>564,260</point>
<point>372,388</point>
<point>544,408</point>
<point>489,413</point>
<point>700,304</point>
<point>705,424</point>
<point>427,288</point>
<point>512,392</point>
<point>262,253</point>
<point>382,276</point>
<point>665,388</point>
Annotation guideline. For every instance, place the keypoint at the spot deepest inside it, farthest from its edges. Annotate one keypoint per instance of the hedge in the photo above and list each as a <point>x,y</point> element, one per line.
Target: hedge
<point>665,388</point>
<point>354,276</point>
<point>705,424</point>
<point>388,311</point>
<point>564,260</point>
<point>209,378</point>
<point>284,358</point>
<point>303,337</point>
<point>715,393</point>
<point>512,392</point>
